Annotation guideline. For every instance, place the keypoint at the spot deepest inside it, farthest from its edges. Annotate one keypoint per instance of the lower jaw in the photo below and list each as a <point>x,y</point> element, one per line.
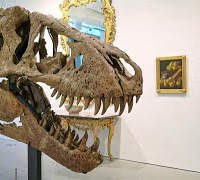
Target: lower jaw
<point>32,134</point>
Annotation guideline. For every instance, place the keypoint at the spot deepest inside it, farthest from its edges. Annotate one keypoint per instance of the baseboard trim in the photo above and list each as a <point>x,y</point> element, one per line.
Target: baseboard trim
<point>169,167</point>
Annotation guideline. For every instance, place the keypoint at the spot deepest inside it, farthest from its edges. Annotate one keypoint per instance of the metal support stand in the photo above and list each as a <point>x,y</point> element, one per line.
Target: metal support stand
<point>15,173</point>
<point>34,164</point>
<point>34,156</point>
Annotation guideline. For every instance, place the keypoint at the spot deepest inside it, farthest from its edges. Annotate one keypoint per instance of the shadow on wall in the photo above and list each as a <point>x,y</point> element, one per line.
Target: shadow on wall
<point>172,95</point>
<point>130,149</point>
<point>120,141</point>
<point>116,140</point>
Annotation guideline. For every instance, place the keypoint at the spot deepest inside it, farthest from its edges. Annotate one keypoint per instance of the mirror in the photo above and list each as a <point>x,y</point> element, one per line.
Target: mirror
<point>89,19</point>
<point>93,17</point>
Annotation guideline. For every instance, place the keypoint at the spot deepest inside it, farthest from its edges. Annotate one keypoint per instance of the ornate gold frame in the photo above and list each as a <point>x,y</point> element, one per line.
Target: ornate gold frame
<point>109,13</point>
<point>171,58</point>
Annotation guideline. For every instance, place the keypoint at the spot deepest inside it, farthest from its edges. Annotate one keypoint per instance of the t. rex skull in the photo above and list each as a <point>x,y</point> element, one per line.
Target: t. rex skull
<point>102,77</point>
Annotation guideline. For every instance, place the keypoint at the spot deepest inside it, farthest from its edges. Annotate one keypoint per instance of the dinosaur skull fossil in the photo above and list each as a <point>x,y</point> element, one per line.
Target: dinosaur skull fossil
<point>102,77</point>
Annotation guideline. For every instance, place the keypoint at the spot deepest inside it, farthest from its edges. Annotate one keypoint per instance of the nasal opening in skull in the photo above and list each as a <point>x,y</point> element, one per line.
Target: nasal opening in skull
<point>23,32</point>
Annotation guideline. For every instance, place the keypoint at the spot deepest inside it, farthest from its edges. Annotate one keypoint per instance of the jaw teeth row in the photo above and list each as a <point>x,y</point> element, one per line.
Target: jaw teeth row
<point>106,101</point>
<point>69,138</point>
<point>1,127</point>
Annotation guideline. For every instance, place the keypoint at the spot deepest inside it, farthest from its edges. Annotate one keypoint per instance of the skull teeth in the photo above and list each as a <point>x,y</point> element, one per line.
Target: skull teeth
<point>54,92</point>
<point>52,131</point>
<point>63,98</point>
<point>87,102</point>
<point>76,138</point>
<point>116,102</point>
<point>61,140</point>
<point>58,95</point>
<point>97,105</point>
<point>125,99</point>
<point>130,103</point>
<point>137,98</point>
<point>44,124</point>
<point>73,134</point>
<point>95,146</point>
<point>106,103</point>
<point>57,133</point>
<point>67,132</point>
<point>82,147</point>
<point>89,151</point>
<point>78,100</point>
<point>71,101</point>
<point>70,139</point>
<point>122,105</point>
<point>41,122</point>
<point>1,127</point>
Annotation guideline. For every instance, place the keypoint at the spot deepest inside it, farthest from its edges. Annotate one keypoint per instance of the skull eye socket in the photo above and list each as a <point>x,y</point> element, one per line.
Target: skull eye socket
<point>122,67</point>
<point>128,69</point>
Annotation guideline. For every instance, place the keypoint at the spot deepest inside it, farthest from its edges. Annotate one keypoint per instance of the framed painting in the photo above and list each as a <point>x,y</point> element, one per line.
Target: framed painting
<point>171,74</point>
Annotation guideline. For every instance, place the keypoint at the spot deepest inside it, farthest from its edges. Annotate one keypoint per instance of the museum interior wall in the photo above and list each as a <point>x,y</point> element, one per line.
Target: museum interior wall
<point>162,129</point>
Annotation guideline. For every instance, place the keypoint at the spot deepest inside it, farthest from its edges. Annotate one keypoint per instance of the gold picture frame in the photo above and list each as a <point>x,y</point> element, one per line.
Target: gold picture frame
<point>171,74</point>
<point>108,11</point>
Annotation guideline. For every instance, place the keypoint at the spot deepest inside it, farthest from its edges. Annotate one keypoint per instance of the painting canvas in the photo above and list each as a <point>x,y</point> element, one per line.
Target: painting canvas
<point>171,74</point>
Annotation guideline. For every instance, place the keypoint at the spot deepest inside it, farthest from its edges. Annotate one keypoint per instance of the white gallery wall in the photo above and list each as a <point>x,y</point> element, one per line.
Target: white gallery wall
<point>161,129</point>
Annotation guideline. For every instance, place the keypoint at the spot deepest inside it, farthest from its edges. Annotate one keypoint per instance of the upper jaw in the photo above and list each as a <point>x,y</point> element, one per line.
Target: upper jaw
<point>118,89</point>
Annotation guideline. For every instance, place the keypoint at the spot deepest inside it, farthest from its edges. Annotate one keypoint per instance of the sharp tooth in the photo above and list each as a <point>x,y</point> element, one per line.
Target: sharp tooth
<point>106,103</point>
<point>125,99</point>
<point>97,105</point>
<point>52,130</point>
<point>73,134</point>
<point>78,100</point>
<point>137,98</point>
<point>89,151</point>
<point>112,100</point>
<point>69,139</point>
<point>122,105</point>
<point>62,100</point>
<point>56,135</point>
<point>87,102</point>
<point>76,138</point>
<point>44,123</point>
<point>41,122</point>
<point>96,155</point>
<point>61,140</point>
<point>67,132</point>
<point>71,101</point>
<point>116,103</point>
<point>54,92</point>
<point>130,103</point>
<point>82,147</point>
<point>1,127</point>
<point>95,146</point>
<point>58,95</point>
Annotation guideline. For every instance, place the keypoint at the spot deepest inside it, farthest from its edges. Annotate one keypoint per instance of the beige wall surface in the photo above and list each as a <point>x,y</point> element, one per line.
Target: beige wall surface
<point>163,129</point>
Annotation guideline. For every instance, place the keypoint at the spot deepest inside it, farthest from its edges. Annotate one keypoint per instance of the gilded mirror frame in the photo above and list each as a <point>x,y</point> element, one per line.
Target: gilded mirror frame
<point>108,11</point>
